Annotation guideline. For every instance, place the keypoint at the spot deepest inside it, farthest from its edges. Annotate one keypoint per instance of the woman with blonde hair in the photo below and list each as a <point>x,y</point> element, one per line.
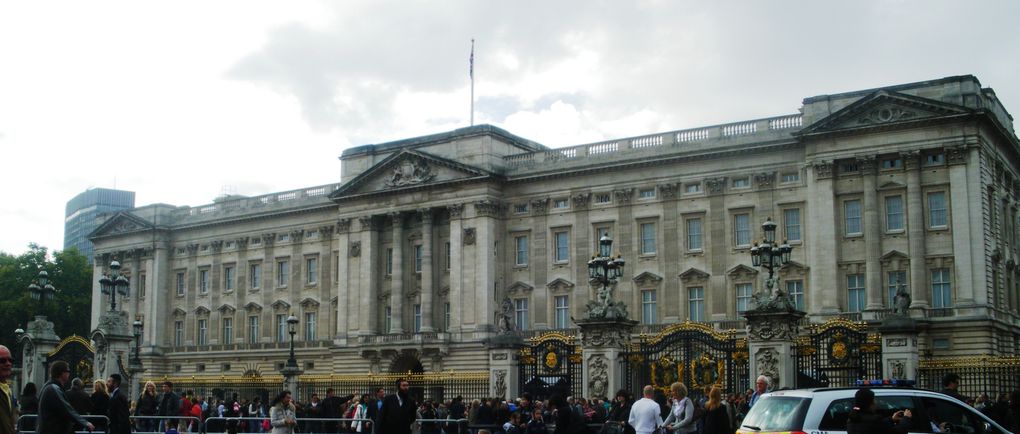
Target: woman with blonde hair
<point>681,414</point>
<point>100,403</point>
<point>717,420</point>
<point>147,404</point>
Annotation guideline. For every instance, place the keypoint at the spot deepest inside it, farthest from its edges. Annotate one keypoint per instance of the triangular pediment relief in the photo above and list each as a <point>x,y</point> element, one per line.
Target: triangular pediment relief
<point>179,313</point>
<point>309,303</point>
<point>408,170</point>
<point>201,310</point>
<point>122,222</point>
<point>793,265</point>
<point>647,278</point>
<point>693,274</point>
<point>894,254</point>
<point>519,288</point>
<point>253,307</point>
<point>794,270</point>
<point>883,108</point>
<point>895,259</point>
<point>560,284</point>
<point>742,272</point>
<point>227,309</point>
<point>892,185</point>
<point>280,305</point>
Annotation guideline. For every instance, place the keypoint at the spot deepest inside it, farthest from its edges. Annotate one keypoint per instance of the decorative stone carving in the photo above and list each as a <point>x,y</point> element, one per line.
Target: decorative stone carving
<point>455,210</point>
<point>469,236</point>
<point>911,159</point>
<point>366,222</point>
<point>623,195</point>
<point>715,185</point>
<point>581,200</point>
<point>767,361</point>
<point>613,336</point>
<point>410,171</point>
<point>823,169</point>
<point>560,285</point>
<point>769,327</point>
<point>898,368</point>
<point>499,356</point>
<point>124,225</point>
<point>102,351</point>
<point>343,225</point>
<point>326,232</point>
<point>355,249</point>
<point>28,350</point>
<point>956,155</point>
<point>216,245</point>
<point>901,301</point>
<point>487,208</point>
<point>884,115</point>
<point>540,206</point>
<point>268,239</point>
<point>297,235</point>
<point>396,219</point>
<point>867,164</point>
<point>499,383</point>
<point>668,191</point>
<point>598,377</point>
<point>192,249</point>
<point>425,214</point>
<point>520,288</point>
<point>765,180</point>
<point>693,275</point>
<point>646,279</point>
<point>241,242</point>
<point>504,317</point>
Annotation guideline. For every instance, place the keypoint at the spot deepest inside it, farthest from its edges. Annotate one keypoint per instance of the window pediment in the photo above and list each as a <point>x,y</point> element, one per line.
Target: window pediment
<point>694,275</point>
<point>742,272</point>
<point>309,303</point>
<point>179,313</point>
<point>280,305</point>
<point>227,309</point>
<point>201,311</point>
<point>253,307</point>
<point>519,288</point>
<point>647,278</point>
<point>560,285</point>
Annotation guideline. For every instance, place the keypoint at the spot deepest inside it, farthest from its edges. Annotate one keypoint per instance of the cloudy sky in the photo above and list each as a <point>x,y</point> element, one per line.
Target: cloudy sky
<point>180,101</point>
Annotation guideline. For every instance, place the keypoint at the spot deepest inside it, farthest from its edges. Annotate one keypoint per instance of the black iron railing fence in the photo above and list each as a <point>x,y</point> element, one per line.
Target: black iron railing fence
<point>978,374</point>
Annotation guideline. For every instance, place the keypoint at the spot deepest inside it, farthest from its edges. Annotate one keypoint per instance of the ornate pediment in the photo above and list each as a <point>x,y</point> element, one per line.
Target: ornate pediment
<point>179,313</point>
<point>121,223</point>
<point>560,284</point>
<point>647,278</point>
<point>693,275</point>
<point>884,108</point>
<point>253,307</point>
<point>895,259</point>
<point>408,169</point>
<point>742,272</point>
<point>794,269</point>
<point>280,305</point>
<point>202,311</point>
<point>309,303</point>
<point>227,309</point>
<point>519,288</point>
<point>892,185</point>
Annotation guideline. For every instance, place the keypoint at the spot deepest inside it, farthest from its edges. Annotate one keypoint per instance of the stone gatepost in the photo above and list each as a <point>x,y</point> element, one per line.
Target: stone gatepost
<point>504,377</point>
<point>112,340</point>
<point>36,342</point>
<point>603,341</point>
<point>771,343</point>
<point>899,347</point>
<point>291,375</point>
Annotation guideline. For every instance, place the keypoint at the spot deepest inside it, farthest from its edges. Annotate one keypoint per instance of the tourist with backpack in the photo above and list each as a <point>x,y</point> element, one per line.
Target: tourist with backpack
<point>681,415</point>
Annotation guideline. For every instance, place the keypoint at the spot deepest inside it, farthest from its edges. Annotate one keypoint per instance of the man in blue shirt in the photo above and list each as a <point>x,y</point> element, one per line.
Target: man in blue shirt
<point>760,388</point>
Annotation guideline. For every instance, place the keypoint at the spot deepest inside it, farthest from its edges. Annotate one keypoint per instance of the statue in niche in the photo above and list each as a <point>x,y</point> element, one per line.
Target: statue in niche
<point>504,318</point>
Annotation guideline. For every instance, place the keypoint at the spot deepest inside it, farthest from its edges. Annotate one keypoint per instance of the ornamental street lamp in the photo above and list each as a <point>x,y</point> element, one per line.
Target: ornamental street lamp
<point>771,255</point>
<point>136,328</point>
<point>41,289</point>
<point>292,322</point>
<point>604,270</point>
<point>114,283</point>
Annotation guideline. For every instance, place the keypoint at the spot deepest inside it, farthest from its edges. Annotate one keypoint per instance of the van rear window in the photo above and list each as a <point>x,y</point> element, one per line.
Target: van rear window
<point>777,413</point>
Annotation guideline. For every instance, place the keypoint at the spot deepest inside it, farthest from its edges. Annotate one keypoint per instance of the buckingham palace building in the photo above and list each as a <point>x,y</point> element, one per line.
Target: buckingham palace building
<point>410,260</point>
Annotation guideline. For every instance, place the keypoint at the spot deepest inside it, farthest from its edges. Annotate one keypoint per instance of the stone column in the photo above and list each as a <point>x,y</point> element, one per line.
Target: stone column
<point>426,270</point>
<point>820,223</point>
<point>37,341</point>
<point>915,229</point>
<point>346,317</point>
<point>603,342</point>
<point>965,197</point>
<point>899,347</point>
<point>456,268</point>
<point>397,278</point>
<point>112,340</point>
<point>771,335</point>
<point>367,284</point>
<point>872,235</point>
<point>486,212</point>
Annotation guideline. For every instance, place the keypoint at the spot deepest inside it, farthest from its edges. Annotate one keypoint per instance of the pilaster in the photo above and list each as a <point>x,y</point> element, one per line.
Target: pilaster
<point>872,234</point>
<point>397,276</point>
<point>915,229</point>
<point>368,291</point>
<point>426,270</point>
<point>821,221</point>
<point>457,299</point>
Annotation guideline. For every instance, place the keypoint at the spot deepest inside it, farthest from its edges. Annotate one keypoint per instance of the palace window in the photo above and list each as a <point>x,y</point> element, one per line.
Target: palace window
<point>228,330</point>
<point>790,177</point>
<point>937,213</point>
<point>647,238</point>
<point>892,163</point>
<point>741,182</point>
<point>603,198</point>
<point>253,329</point>
<point>692,188</point>
<point>742,230</point>
<point>141,285</point>
<point>203,332</point>
<point>562,246</point>
<point>203,281</point>
<point>520,208</point>
<point>744,291</point>
<point>255,275</point>
<point>522,250</point>
<point>894,213</point>
<point>936,159</point>
<point>795,290</point>
<point>855,293</point>
<point>228,278</point>
<point>646,193</point>
<point>417,318</point>
<point>696,303</point>
<point>282,273</point>
<point>281,327</point>
<point>791,224</point>
<point>312,270</point>
<point>648,306</point>
<point>419,253</point>
<point>180,284</point>
<point>446,316</point>
<point>560,203</point>
<point>562,319</point>
<point>694,242</point>
<point>178,333</point>
<point>895,279</point>
<point>389,262</point>
<point>852,217</point>
<point>447,255</point>
<point>387,319</point>
<point>521,313</point>
<point>941,295</point>
<point>309,326</point>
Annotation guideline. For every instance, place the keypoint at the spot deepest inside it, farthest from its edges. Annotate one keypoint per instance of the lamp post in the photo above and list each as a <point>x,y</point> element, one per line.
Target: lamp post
<point>136,328</point>
<point>292,322</point>
<point>114,283</point>
<point>604,270</point>
<point>771,255</point>
<point>41,289</point>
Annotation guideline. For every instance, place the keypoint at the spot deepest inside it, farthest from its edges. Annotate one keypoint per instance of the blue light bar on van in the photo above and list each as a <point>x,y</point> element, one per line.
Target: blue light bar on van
<point>887,382</point>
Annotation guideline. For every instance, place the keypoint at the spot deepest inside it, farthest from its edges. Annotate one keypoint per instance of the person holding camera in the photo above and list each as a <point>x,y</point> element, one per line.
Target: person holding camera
<point>864,420</point>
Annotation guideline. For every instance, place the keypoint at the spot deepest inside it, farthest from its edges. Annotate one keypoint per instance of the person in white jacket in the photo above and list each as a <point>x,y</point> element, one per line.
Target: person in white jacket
<point>281,414</point>
<point>681,414</point>
<point>644,414</point>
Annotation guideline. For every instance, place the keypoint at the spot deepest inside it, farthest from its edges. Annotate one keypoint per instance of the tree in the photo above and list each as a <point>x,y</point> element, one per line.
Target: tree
<point>70,309</point>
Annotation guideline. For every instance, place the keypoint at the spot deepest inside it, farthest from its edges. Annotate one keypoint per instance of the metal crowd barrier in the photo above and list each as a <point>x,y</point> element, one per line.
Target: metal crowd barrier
<point>306,425</point>
<point>157,422</point>
<point>33,417</point>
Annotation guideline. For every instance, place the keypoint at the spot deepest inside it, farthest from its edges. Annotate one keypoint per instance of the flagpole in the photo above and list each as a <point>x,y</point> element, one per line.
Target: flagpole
<point>471,72</point>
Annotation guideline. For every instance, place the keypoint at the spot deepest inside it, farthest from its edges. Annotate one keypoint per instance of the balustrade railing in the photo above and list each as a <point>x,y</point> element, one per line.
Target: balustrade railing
<point>673,138</point>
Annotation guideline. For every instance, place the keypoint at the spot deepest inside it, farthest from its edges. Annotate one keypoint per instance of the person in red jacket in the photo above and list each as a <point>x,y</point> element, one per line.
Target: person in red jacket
<point>185,425</point>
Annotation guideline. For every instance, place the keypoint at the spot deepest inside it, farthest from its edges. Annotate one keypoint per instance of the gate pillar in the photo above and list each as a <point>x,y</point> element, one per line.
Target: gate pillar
<point>603,343</point>
<point>36,342</point>
<point>112,340</point>
<point>503,373</point>
<point>772,332</point>
<point>899,347</point>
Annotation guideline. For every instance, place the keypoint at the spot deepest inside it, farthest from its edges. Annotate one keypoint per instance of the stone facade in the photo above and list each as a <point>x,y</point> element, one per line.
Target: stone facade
<point>404,263</point>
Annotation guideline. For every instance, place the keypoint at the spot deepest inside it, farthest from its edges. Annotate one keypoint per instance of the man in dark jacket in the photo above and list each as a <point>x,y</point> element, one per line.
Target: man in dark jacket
<point>398,411</point>
<point>119,407</point>
<point>169,404</point>
<point>56,416</point>
<point>80,400</point>
<point>864,420</point>
<point>374,408</point>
